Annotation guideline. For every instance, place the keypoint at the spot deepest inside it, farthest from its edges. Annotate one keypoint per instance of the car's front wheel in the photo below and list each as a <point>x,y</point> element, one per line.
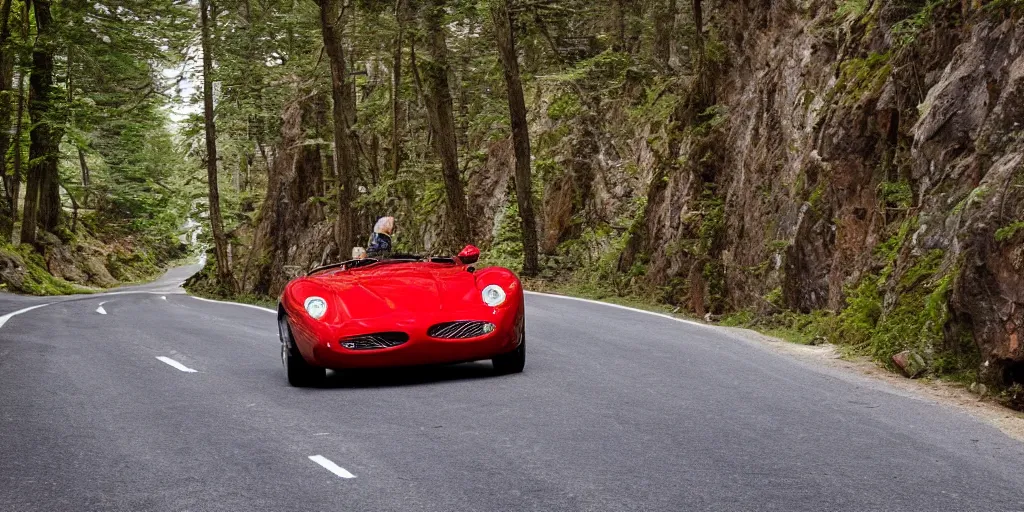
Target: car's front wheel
<point>512,362</point>
<point>300,373</point>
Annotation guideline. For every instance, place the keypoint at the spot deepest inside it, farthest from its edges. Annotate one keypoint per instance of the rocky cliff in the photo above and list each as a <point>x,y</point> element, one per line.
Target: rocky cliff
<point>859,158</point>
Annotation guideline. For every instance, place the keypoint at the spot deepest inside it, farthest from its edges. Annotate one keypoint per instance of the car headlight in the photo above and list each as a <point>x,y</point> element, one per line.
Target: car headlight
<point>316,307</point>
<point>493,295</point>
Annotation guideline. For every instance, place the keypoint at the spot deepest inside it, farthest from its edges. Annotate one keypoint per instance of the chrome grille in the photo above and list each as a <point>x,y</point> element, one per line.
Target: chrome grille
<point>460,329</point>
<point>374,341</point>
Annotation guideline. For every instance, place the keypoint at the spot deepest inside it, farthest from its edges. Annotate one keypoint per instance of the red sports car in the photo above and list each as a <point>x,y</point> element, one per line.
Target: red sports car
<point>401,311</point>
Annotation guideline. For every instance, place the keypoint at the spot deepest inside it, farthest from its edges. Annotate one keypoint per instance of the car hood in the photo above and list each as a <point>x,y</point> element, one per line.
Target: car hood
<point>390,288</point>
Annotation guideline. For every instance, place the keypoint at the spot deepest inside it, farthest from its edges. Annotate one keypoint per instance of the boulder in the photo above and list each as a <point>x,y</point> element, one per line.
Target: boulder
<point>910,363</point>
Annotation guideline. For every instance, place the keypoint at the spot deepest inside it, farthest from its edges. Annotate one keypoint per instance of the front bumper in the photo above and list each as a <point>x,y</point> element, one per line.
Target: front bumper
<point>321,343</point>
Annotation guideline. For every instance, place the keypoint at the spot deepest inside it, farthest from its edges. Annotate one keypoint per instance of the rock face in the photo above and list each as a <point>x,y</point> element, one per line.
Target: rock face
<point>291,234</point>
<point>878,151</point>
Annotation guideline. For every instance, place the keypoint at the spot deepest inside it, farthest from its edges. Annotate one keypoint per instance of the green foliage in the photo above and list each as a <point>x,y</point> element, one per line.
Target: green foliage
<point>1007,233</point>
<point>921,310</point>
<point>850,9</point>
<point>564,106</point>
<point>804,329</point>
<point>507,248</point>
<point>889,249</point>
<point>712,221</point>
<point>906,31</point>
<point>856,323</point>
<point>976,196</point>
<point>658,103</point>
<point>915,320</point>
<point>860,77</point>
<point>710,119</point>
<point>607,68</point>
<point>896,194</point>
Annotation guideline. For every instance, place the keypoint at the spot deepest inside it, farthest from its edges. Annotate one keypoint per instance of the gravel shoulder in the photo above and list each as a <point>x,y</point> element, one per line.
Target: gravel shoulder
<point>827,358</point>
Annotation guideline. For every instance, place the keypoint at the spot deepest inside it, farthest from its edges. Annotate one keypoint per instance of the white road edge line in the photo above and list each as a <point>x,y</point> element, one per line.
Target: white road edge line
<point>176,364</point>
<point>330,466</point>
<point>8,316</point>
<point>268,310</point>
<point>100,309</point>
<point>627,308</point>
<point>140,292</point>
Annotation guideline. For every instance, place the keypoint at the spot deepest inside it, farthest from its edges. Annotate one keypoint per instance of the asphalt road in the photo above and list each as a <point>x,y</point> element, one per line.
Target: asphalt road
<point>617,410</point>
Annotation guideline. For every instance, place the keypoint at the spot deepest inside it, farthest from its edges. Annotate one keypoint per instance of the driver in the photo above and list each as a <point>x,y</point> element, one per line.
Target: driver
<point>380,240</point>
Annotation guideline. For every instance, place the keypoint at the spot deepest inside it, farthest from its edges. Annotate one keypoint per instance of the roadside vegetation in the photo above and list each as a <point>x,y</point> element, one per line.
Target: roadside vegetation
<point>92,181</point>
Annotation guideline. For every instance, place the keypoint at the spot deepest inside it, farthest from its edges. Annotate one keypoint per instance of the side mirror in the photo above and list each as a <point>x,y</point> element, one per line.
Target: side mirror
<point>468,255</point>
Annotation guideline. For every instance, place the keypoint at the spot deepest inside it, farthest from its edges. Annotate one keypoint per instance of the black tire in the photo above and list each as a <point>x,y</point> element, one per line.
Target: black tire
<point>512,362</point>
<point>300,373</point>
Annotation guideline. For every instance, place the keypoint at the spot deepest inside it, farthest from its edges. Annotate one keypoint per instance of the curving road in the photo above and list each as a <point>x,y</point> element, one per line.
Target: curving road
<point>617,410</point>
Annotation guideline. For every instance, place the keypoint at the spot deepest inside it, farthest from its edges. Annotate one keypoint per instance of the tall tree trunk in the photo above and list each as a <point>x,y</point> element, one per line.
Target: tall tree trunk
<point>16,174</point>
<point>6,72</point>
<point>81,152</point>
<point>220,241</point>
<point>42,201</point>
<point>442,120</point>
<point>85,173</point>
<point>505,37</point>
<point>344,102</point>
<point>19,122</point>
<point>396,90</point>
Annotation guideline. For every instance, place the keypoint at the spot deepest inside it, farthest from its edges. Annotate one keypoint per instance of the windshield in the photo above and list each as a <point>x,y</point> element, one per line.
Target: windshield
<point>395,258</point>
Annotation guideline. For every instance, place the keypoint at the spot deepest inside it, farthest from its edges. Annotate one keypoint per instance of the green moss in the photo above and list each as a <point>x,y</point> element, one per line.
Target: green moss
<point>1006,233</point>
<point>917,319</point>
<point>131,267</point>
<point>896,194</point>
<point>890,248</point>
<point>564,106</point>
<point>856,323</point>
<point>860,77</point>
<point>815,198</point>
<point>974,197</point>
<point>658,104</point>
<point>914,321</point>
<point>35,278</point>
<point>709,119</point>
<point>712,222</point>
<point>850,9</point>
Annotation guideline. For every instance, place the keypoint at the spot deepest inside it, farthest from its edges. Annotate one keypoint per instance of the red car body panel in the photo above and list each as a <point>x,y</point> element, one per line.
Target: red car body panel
<point>407,297</point>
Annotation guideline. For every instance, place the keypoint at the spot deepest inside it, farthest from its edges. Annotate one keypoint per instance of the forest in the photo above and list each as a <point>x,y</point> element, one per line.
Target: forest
<point>847,171</point>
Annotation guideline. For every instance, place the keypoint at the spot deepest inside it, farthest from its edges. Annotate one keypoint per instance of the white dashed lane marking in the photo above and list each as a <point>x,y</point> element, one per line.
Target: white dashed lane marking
<point>176,364</point>
<point>330,466</point>
<point>100,309</point>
